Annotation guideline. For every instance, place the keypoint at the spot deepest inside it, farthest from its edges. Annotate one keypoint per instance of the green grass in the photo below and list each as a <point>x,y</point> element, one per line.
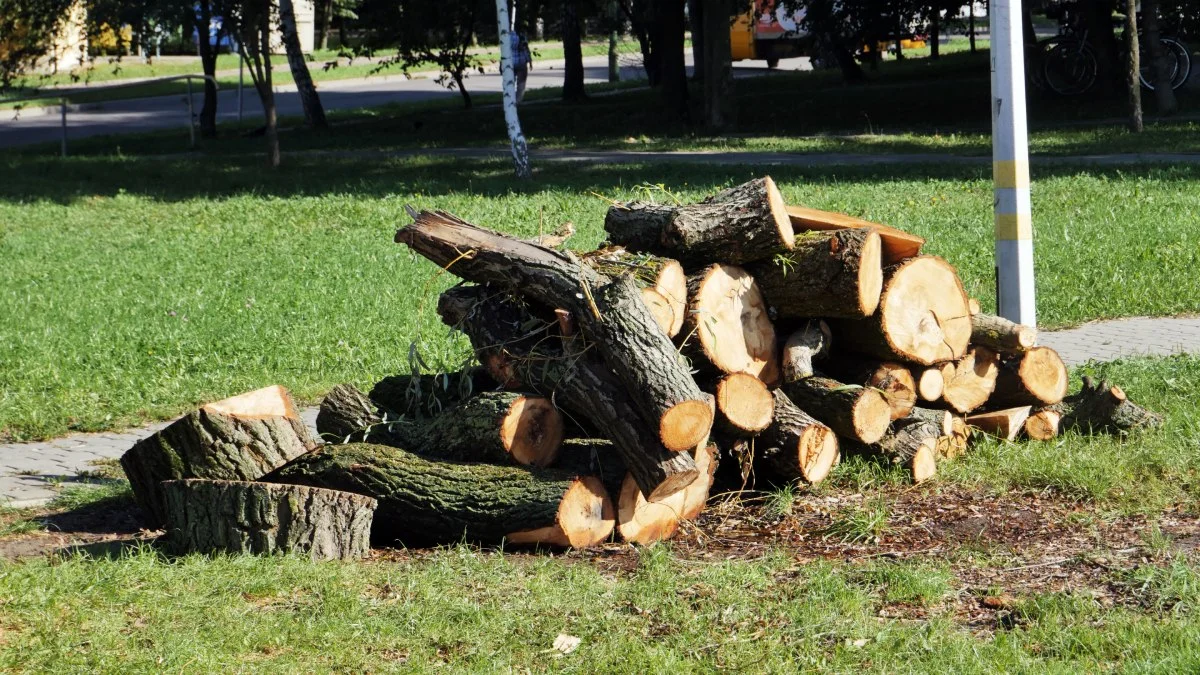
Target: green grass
<point>136,288</point>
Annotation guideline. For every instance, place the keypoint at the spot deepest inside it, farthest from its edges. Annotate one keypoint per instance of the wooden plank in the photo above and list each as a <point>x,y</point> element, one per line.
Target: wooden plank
<point>897,244</point>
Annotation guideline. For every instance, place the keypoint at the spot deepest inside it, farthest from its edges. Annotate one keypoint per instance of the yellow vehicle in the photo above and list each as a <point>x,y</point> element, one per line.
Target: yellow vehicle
<point>769,33</point>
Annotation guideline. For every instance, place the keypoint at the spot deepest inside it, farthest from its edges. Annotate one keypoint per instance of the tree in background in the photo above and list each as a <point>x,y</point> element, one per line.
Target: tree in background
<point>520,148</point>
<point>326,11</point>
<point>314,112</point>
<point>720,107</point>
<point>27,32</point>
<point>668,29</point>
<point>1133,67</point>
<point>572,39</point>
<point>1164,94</point>
<point>208,44</point>
<point>250,21</point>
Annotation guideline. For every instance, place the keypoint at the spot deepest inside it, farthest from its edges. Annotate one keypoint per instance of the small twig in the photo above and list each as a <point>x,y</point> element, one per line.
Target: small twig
<point>1029,567</point>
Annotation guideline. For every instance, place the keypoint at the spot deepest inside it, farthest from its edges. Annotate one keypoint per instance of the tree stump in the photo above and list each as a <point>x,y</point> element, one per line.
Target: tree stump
<point>211,516</point>
<point>238,438</point>
<point>1101,407</point>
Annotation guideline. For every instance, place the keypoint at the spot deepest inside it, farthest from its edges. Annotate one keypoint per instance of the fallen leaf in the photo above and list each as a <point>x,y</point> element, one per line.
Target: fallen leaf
<point>566,643</point>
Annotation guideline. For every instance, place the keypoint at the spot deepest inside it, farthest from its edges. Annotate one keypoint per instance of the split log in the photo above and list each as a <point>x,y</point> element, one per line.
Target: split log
<point>1103,407</point>
<point>954,431</point>
<point>852,411</point>
<point>727,328</point>
<point>804,347</point>
<point>645,521</point>
<point>425,502</point>
<point>1004,424</point>
<point>1000,334</point>
<point>695,496</point>
<point>587,390</point>
<point>1042,425</point>
<point>214,516</point>
<point>897,245</point>
<point>744,404</point>
<point>491,426</point>
<point>1037,377</point>
<point>663,276</point>
<point>922,316</point>
<point>911,443</point>
<point>429,394</point>
<point>893,379</point>
<point>973,381</point>
<point>738,225</point>
<point>610,313</point>
<point>930,383</point>
<point>826,274</point>
<point>239,438</point>
<point>796,446</point>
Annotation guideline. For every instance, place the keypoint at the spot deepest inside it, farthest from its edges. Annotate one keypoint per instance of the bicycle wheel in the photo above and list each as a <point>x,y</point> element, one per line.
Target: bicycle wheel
<point>1070,68</point>
<point>1179,63</point>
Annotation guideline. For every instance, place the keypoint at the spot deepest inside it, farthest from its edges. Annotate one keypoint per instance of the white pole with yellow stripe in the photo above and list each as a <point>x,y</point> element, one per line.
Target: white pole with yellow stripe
<point>1010,166</point>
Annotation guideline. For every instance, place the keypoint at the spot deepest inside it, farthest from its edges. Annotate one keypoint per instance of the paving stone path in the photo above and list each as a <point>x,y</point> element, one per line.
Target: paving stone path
<point>32,473</point>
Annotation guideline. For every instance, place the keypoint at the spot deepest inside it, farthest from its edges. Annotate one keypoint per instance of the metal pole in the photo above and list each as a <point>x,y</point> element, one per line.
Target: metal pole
<point>241,79</point>
<point>62,102</point>
<point>191,115</point>
<point>1010,166</point>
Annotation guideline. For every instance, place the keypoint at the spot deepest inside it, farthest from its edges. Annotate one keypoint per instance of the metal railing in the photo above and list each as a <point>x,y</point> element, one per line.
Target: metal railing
<point>62,101</point>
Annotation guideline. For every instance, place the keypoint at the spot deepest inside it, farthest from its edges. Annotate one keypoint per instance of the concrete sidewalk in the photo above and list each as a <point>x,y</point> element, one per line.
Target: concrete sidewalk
<point>31,473</point>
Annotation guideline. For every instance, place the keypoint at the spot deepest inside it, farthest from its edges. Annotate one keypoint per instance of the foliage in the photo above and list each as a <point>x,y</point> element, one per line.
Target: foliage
<point>27,30</point>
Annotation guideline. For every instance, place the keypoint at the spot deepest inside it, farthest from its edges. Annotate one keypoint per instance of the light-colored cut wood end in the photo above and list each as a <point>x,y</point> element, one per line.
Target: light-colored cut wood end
<point>686,425</point>
<point>532,432</point>
<point>1044,375</point>
<point>924,311</point>
<point>745,402</point>
<point>924,461</point>
<point>273,401</point>
<point>672,285</point>
<point>931,384</point>
<point>1005,424</point>
<point>818,453</point>
<point>973,306</point>
<point>974,380</point>
<point>643,521</point>
<point>779,211</point>
<point>695,496</point>
<point>584,519</point>
<point>872,415</point>
<point>732,324</point>
<point>896,382</point>
<point>870,274</point>
<point>662,310</point>
<point>1042,425</point>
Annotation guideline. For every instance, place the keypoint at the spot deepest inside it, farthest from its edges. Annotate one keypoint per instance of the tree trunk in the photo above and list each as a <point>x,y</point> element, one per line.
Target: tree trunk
<point>1003,424</point>
<point>971,23</point>
<point>720,99</point>
<point>894,380</point>
<point>668,47</point>
<point>852,411</point>
<point>973,381</point>
<point>508,78</point>
<point>420,396</point>
<point>663,275</point>
<point>1038,377</point>
<point>795,446</point>
<point>727,329</point>
<point>895,245</point>
<point>238,438</point>
<point>461,85</point>
<point>208,64</point>
<point>744,405</point>
<point>428,503</point>
<point>314,112</point>
<point>826,274</point>
<point>493,426</point>
<point>804,347</point>
<point>742,224</point>
<point>1164,93</point>
<point>912,443</point>
<point>922,316</point>
<point>610,313</point>
<point>573,89</point>
<point>218,516</point>
<point>326,22</point>
<point>935,33</point>
<point>1001,335</point>
<point>585,389</point>
<point>697,17</point>
<point>1102,407</point>
<point>1133,67</point>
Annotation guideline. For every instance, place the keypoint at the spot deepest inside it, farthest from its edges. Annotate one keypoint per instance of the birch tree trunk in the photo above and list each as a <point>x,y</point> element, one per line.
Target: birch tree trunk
<point>520,149</point>
<point>314,112</point>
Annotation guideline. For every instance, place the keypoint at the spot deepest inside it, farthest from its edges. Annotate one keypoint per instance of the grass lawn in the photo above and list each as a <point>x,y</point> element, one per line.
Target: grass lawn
<point>135,288</point>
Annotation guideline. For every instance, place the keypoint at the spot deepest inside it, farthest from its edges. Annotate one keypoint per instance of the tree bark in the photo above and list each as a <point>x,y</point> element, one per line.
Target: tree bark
<point>573,89</point>
<point>1103,408</point>
<point>911,443</point>
<point>893,379</point>
<point>668,47</point>
<point>720,100</point>
<point>326,23</point>
<point>1000,334</point>
<point>1038,377</point>
<point>804,347</point>
<point>954,431</point>
<point>699,30</point>
<point>742,224</point>
<point>896,245</point>
<point>508,79</point>
<point>208,64</point>
<point>1042,425</point>
<point>217,516</point>
<point>424,502</point>
<point>609,312</point>
<point>420,396</point>
<point>826,274</point>
<point>1164,93</point>
<point>663,275</point>
<point>852,411</point>
<point>935,25</point>
<point>238,438</point>
<point>314,112</point>
<point>795,446</point>
<point>727,329</point>
<point>1133,67</point>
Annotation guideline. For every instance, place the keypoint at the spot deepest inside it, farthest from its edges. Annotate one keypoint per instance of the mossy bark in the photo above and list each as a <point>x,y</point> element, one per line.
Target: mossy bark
<point>1101,407</point>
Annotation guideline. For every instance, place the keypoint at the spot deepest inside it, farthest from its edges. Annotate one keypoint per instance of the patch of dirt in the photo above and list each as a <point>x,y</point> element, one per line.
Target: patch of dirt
<point>103,529</point>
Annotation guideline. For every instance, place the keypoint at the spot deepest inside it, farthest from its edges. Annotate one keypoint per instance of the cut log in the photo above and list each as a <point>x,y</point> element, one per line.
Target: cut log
<point>695,496</point>
<point>643,521</point>
<point>973,381</point>
<point>804,347</point>
<point>738,225</point>
<point>744,404</point>
<point>827,274</point>
<point>973,306</point>
<point>610,313</point>
<point>587,390</point>
<point>239,438</point>
<point>852,411</point>
<point>911,443</point>
<point>922,316</point>
<point>429,394</point>
<point>661,309</point>
<point>727,328</point>
<point>1037,377</point>
<point>796,446</point>
<point>1042,425</point>
<point>490,426</point>
<point>954,431</point>
<point>1005,424</point>
<point>219,516</point>
<point>1000,334</point>
<point>897,245</point>
<point>424,502</point>
<point>893,379</point>
<point>930,383</point>
<point>1100,407</point>
<point>662,275</point>
<point>593,457</point>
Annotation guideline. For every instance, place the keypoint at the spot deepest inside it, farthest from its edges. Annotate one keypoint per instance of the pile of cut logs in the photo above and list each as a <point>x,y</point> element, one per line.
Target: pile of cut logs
<point>610,383</point>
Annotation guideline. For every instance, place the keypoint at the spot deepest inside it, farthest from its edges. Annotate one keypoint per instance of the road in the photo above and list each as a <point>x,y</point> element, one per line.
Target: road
<point>44,125</point>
